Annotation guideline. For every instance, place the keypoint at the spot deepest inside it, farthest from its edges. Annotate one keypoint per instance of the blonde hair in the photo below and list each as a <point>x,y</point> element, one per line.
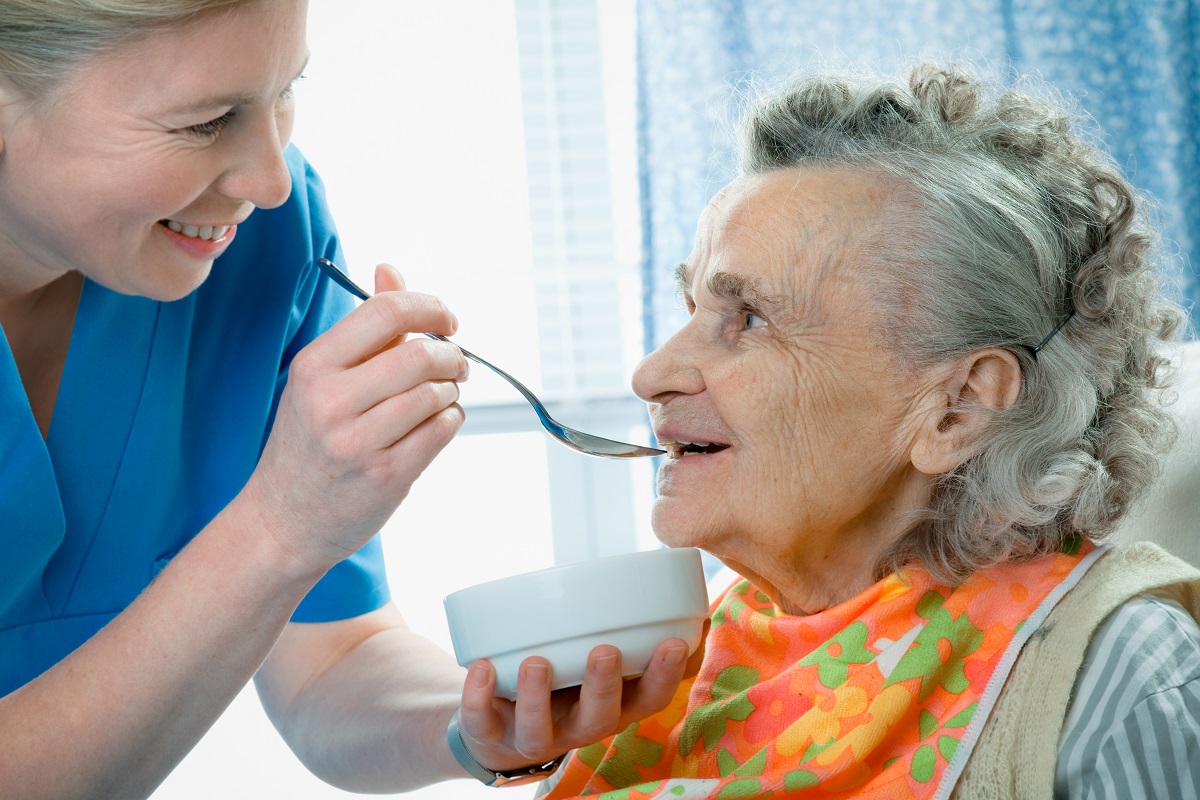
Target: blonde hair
<point>1019,224</point>
<point>43,42</point>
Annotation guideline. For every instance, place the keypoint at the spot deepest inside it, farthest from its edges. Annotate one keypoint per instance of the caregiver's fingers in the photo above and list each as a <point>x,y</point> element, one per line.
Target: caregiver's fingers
<point>428,410</point>
<point>388,279</point>
<point>594,714</point>
<point>399,369</point>
<point>477,712</point>
<point>696,659</point>
<point>533,726</point>
<point>597,712</point>
<point>486,722</point>
<point>377,323</point>
<point>652,691</point>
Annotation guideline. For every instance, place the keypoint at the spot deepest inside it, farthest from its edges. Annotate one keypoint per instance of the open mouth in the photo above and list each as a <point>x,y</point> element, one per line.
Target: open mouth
<point>209,232</point>
<point>683,449</point>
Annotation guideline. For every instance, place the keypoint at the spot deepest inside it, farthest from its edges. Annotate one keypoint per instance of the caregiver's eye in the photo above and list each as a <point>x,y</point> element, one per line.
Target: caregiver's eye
<point>289,94</point>
<point>213,128</point>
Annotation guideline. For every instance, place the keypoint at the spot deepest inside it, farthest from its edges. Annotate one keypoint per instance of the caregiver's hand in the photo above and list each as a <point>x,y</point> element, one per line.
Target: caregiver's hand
<point>539,726</point>
<point>364,412</point>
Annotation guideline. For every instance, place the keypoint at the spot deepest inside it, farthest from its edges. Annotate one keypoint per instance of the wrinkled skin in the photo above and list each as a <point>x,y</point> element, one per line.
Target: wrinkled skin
<point>780,362</point>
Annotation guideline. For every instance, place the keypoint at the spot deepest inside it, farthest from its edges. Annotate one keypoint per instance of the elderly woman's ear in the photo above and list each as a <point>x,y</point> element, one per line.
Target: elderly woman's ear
<point>959,407</point>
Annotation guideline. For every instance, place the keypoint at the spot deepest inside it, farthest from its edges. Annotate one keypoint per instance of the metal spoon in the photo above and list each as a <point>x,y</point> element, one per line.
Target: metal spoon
<point>576,440</point>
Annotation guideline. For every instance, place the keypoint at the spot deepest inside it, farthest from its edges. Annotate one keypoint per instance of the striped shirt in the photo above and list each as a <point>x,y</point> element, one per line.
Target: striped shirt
<point>1133,727</point>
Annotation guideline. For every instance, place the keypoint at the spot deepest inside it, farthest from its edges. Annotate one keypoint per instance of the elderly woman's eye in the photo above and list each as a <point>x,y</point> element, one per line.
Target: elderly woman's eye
<point>752,321</point>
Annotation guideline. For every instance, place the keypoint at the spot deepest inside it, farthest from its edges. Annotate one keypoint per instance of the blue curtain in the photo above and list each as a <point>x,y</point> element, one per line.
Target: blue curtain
<point>1133,65</point>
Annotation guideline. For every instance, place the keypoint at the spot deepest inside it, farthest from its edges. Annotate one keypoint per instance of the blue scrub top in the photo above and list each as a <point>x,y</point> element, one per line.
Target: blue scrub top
<point>161,416</point>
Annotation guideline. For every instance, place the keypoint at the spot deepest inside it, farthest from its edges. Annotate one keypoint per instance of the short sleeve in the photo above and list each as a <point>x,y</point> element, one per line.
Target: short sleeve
<point>353,587</point>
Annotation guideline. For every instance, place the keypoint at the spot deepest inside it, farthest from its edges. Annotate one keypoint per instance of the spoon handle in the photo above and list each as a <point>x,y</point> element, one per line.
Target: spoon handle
<point>341,279</point>
<point>577,440</point>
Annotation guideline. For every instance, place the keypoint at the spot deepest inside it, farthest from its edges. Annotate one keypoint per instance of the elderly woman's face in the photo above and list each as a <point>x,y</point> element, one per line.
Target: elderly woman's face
<point>137,172</point>
<point>790,427</point>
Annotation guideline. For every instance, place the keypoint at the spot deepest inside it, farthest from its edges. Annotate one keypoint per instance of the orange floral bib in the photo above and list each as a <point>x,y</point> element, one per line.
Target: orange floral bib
<point>883,696</point>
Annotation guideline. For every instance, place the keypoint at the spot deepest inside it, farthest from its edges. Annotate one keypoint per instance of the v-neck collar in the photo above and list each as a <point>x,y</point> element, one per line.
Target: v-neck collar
<point>98,399</point>
<point>30,507</point>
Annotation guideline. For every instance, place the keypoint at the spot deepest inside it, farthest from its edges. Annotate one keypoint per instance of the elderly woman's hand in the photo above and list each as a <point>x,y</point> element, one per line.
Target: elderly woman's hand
<point>363,414</point>
<point>540,726</point>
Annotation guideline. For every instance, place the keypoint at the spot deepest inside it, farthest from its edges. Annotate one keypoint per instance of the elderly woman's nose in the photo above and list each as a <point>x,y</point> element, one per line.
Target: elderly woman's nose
<point>665,372</point>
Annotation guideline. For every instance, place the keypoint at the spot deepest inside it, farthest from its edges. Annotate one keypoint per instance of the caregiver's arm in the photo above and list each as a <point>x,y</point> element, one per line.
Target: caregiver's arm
<point>117,715</point>
<point>358,422</point>
<point>365,702</point>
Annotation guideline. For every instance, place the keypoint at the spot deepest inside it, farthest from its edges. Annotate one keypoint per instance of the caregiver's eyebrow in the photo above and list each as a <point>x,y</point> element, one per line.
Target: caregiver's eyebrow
<point>235,100</point>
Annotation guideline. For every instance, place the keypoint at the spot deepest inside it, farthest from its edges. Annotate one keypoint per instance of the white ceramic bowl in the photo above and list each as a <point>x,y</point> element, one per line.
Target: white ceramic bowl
<point>633,601</point>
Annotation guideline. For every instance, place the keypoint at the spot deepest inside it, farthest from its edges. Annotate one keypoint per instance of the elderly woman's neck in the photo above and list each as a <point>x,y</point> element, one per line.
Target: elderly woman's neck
<point>829,567</point>
<point>832,587</point>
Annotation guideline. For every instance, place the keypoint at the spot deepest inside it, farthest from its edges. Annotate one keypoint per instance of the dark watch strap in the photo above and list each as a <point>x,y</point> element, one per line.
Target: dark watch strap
<point>513,777</point>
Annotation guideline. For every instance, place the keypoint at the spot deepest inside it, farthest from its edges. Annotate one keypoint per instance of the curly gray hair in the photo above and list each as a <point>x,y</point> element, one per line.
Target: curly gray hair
<point>43,42</point>
<point>1019,225</point>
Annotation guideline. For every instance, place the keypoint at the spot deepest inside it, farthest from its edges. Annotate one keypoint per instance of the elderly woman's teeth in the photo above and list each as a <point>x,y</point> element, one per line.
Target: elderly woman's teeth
<point>198,231</point>
<point>681,449</point>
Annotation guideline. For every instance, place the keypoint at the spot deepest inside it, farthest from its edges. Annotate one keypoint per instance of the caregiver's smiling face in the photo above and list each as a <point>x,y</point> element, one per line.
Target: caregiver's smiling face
<point>779,369</point>
<point>137,169</point>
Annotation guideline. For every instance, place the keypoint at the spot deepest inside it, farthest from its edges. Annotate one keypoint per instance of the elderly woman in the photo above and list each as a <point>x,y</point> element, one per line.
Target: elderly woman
<point>196,452</point>
<point>918,385</point>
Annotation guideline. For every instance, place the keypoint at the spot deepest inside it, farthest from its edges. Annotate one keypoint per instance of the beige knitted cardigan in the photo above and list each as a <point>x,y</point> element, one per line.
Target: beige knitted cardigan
<point>1018,747</point>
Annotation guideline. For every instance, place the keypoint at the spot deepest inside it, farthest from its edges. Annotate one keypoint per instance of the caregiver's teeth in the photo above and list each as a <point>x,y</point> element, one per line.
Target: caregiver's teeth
<point>198,231</point>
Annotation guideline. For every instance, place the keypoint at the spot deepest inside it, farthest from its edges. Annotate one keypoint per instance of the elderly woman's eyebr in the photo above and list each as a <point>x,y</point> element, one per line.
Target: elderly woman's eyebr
<point>921,378</point>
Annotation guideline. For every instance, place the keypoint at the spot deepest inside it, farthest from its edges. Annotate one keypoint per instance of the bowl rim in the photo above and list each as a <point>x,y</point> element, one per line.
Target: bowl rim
<point>588,563</point>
